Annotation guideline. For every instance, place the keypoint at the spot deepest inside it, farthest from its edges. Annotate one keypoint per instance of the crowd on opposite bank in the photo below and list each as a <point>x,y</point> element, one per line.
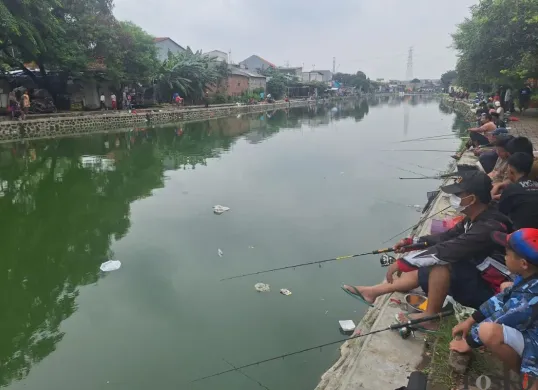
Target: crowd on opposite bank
<point>489,260</point>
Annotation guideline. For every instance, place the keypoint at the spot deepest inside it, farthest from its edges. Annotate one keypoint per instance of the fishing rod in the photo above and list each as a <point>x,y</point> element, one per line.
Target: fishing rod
<point>415,150</point>
<point>421,178</point>
<point>417,224</point>
<point>409,325</point>
<point>376,252</point>
<point>444,176</point>
<point>430,137</point>
<point>435,139</point>
<point>246,376</point>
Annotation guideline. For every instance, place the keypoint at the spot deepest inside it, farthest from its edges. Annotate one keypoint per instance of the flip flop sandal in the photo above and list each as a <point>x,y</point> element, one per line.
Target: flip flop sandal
<point>357,295</point>
<point>403,318</point>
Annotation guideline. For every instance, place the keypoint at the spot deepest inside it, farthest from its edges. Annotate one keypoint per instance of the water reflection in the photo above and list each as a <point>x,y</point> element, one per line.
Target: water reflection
<point>65,201</point>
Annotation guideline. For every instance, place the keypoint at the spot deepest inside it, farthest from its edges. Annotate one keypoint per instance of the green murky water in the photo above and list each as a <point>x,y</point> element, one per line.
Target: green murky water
<point>302,185</point>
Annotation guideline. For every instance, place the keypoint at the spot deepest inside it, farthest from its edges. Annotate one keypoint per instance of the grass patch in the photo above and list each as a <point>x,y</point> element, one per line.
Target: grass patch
<point>441,375</point>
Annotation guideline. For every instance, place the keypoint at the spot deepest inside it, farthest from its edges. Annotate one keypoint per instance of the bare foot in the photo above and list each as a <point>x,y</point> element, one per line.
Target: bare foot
<point>365,291</point>
<point>428,325</point>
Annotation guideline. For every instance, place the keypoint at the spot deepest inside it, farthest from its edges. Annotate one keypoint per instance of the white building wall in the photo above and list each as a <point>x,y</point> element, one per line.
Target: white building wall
<point>164,46</point>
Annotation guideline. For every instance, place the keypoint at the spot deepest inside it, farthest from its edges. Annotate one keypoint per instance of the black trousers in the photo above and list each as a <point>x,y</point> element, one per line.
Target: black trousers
<point>478,138</point>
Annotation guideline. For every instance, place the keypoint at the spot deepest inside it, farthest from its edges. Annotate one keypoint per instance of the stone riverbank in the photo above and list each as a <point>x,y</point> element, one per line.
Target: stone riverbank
<point>113,120</point>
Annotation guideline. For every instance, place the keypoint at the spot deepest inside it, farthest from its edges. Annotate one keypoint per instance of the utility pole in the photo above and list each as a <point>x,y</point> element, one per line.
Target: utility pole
<point>334,65</point>
<point>230,56</point>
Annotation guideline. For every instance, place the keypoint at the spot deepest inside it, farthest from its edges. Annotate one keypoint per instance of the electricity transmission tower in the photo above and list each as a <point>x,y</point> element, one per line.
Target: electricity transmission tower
<point>409,73</point>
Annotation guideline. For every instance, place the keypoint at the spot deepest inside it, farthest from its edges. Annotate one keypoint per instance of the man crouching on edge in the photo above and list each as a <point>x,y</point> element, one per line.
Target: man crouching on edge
<point>459,262</point>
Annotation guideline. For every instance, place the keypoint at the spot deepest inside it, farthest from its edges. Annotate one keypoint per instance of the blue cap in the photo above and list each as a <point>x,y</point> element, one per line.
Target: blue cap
<point>523,241</point>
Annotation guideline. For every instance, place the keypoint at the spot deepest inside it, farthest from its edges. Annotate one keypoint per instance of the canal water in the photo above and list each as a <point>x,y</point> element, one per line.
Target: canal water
<point>302,185</point>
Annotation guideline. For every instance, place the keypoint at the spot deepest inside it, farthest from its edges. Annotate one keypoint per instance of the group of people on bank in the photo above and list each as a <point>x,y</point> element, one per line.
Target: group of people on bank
<point>488,261</point>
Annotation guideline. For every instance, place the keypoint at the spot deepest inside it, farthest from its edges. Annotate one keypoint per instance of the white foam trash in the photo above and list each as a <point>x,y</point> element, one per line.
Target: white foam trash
<point>285,291</point>
<point>110,265</point>
<point>262,287</point>
<point>218,209</point>
<point>220,252</point>
<point>347,325</point>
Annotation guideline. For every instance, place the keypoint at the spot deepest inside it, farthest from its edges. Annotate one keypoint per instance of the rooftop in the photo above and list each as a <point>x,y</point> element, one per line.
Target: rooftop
<point>162,39</point>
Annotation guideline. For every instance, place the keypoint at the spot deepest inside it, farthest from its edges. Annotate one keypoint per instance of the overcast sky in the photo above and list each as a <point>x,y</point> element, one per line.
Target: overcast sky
<point>373,36</point>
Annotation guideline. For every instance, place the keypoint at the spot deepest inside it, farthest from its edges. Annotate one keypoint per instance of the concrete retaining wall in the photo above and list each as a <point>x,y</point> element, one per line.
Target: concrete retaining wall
<point>110,121</point>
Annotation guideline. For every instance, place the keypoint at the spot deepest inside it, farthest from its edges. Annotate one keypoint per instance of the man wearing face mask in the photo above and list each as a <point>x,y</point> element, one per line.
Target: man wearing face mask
<point>460,262</point>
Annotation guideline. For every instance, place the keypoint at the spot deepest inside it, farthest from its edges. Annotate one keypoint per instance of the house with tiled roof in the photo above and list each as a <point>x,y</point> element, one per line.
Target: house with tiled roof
<point>256,63</point>
<point>166,44</point>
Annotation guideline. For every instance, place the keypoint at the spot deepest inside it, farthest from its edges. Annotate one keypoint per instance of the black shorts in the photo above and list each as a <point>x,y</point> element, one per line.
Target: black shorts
<point>478,138</point>
<point>466,284</point>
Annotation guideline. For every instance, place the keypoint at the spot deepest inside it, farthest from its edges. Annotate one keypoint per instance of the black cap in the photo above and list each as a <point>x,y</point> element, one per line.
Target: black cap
<point>471,182</point>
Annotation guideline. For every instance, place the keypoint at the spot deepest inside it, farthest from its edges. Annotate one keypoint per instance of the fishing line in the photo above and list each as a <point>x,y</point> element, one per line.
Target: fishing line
<point>416,225</point>
<point>246,376</point>
<point>401,169</point>
<point>407,324</point>
<point>419,166</point>
<point>416,150</point>
<point>376,252</point>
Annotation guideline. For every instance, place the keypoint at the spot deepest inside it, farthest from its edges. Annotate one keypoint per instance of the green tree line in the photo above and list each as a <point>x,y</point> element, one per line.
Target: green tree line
<point>69,36</point>
<point>497,44</point>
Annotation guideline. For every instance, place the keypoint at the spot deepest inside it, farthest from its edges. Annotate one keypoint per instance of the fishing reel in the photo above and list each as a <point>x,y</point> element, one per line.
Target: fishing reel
<point>405,332</point>
<point>386,260</point>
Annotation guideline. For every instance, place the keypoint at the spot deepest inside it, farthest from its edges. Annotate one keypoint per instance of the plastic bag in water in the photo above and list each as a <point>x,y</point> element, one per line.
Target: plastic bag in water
<point>218,209</point>
<point>262,287</point>
<point>111,265</point>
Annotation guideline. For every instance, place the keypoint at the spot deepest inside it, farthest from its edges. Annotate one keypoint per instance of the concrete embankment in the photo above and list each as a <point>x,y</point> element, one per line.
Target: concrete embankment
<point>113,120</point>
<point>383,361</point>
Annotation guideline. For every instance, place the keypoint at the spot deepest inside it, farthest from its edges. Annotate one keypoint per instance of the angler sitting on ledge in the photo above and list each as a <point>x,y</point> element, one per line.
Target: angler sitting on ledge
<point>459,262</point>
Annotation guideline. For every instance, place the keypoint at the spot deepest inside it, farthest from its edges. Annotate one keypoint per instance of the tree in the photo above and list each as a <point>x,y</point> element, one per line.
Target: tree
<point>189,73</point>
<point>448,78</point>
<point>497,44</point>
<point>357,80</point>
<point>276,86</point>
<point>136,57</point>
<point>415,81</point>
<point>54,35</point>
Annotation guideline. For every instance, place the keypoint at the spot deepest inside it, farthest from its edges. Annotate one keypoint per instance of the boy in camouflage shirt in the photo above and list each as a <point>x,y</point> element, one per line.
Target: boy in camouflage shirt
<point>507,324</point>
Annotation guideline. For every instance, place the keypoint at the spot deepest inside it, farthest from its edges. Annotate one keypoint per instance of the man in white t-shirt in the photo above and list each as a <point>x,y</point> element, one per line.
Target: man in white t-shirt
<point>102,99</point>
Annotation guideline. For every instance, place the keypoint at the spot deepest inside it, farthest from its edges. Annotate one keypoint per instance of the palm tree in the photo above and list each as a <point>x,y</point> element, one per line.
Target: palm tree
<point>189,73</point>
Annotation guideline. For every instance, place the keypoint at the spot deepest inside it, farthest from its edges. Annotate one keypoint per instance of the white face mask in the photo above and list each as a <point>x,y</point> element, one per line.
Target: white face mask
<point>455,202</point>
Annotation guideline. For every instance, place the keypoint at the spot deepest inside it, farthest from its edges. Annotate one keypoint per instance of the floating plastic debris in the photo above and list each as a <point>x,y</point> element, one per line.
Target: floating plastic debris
<point>110,265</point>
<point>218,209</point>
<point>285,291</point>
<point>347,325</point>
<point>250,247</point>
<point>220,252</point>
<point>262,287</point>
